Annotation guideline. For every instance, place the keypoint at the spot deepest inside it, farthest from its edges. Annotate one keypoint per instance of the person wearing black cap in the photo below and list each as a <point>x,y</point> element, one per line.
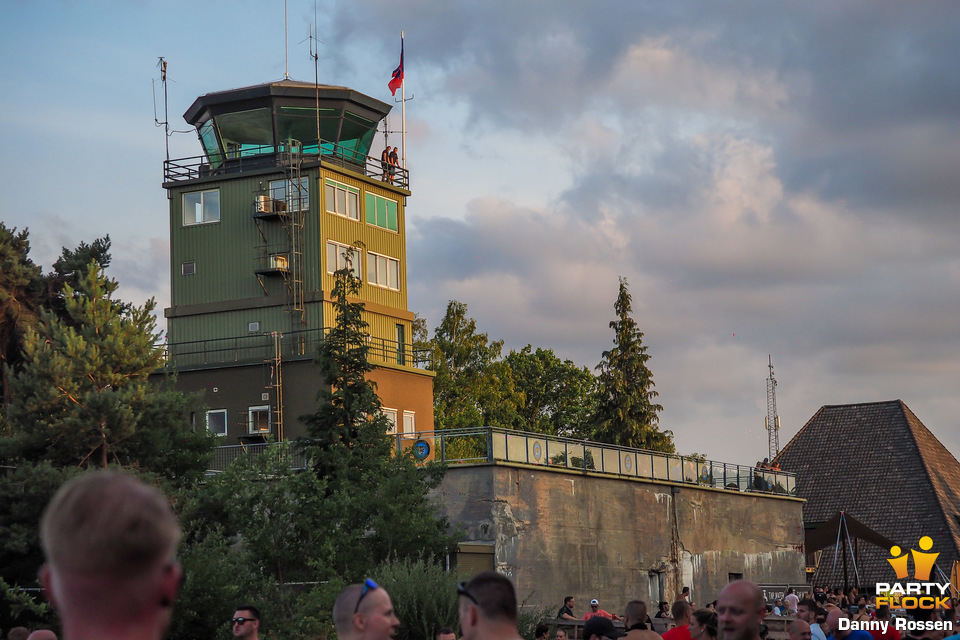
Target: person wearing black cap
<point>598,628</point>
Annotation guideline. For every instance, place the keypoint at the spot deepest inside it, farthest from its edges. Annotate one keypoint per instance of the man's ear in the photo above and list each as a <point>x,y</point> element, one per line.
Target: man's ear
<point>170,584</point>
<point>46,581</point>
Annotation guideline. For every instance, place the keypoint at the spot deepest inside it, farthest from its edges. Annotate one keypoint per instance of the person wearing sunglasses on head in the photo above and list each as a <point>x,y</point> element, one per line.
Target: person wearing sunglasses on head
<point>246,623</point>
<point>364,612</point>
<point>488,608</point>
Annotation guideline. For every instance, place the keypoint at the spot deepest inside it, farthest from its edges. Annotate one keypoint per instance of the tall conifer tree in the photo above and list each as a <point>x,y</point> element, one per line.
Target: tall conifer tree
<point>626,411</point>
<point>376,500</point>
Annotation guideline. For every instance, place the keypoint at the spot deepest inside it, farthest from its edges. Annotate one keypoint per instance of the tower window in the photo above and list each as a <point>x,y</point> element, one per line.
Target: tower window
<point>342,200</point>
<point>217,422</point>
<point>188,268</point>
<point>409,424</point>
<point>258,419</point>
<point>381,212</point>
<point>337,257</point>
<point>391,415</point>
<point>383,271</point>
<point>201,207</point>
<point>297,199</point>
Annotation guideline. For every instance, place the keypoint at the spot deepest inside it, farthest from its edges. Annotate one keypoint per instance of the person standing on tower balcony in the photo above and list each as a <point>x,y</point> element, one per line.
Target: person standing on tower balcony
<point>385,164</point>
<point>394,163</point>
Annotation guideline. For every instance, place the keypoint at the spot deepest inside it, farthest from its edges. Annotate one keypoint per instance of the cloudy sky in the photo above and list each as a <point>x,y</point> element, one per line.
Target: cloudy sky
<point>770,177</point>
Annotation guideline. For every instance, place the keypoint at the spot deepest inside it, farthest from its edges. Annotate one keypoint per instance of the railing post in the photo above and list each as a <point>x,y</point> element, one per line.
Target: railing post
<point>443,447</point>
<point>490,445</point>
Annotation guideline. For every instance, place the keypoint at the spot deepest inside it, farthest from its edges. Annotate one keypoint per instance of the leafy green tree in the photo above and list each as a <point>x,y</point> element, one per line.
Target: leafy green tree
<point>376,498</point>
<point>626,412</point>
<point>82,397</point>
<point>557,394</point>
<point>260,532</point>
<point>19,303</point>
<point>473,386</point>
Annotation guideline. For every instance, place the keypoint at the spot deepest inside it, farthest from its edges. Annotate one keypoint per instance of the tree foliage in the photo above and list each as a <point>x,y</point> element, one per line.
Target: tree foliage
<point>557,394</point>
<point>473,387</point>
<point>626,412</point>
<point>82,396</point>
<point>376,498</point>
<point>19,300</point>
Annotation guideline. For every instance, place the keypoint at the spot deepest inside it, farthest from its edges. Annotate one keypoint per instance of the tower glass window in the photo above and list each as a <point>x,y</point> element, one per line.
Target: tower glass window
<point>246,133</point>
<point>201,207</point>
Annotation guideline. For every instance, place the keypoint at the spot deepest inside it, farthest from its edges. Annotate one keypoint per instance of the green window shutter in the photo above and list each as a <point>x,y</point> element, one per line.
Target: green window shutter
<point>371,204</point>
<point>391,215</point>
<point>381,213</point>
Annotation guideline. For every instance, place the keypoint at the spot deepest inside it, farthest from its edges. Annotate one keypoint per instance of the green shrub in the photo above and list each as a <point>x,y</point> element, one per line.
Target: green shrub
<point>424,596</point>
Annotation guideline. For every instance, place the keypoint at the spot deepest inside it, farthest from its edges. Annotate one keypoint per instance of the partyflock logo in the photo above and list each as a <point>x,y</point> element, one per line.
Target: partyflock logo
<point>922,594</point>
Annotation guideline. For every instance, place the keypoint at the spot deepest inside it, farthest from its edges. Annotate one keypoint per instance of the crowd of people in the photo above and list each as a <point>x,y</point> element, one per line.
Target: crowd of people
<point>111,573</point>
<point>816,615</point>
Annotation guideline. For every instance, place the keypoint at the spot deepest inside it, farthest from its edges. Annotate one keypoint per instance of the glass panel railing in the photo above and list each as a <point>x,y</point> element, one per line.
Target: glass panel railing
<point>660,468</point>
<point>610,461</point>
<point>516,448</point>
<point>675,469</point>
<point>491,445</point>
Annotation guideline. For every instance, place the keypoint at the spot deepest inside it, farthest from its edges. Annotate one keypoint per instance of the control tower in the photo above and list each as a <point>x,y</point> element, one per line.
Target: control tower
<point>283,191</point>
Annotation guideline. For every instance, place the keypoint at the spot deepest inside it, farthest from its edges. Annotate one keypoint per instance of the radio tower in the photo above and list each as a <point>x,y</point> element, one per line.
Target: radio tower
<point>773,420</point>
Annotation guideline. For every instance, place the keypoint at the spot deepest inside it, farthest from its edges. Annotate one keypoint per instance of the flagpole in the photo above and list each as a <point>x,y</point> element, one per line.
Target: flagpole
<point>403,111</point>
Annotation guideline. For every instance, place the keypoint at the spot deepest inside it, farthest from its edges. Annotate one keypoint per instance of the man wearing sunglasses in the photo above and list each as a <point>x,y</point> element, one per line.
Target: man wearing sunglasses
<point>488,608</point>
<point>246,623</point>
<point>364,612</point>
<point>109,541</point>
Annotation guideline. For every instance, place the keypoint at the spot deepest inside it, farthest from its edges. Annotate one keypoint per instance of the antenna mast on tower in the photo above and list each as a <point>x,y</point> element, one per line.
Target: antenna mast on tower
<point>773,420</point>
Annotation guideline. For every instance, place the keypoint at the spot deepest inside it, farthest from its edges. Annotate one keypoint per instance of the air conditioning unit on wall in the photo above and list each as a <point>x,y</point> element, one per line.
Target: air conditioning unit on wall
<point>264,204</point>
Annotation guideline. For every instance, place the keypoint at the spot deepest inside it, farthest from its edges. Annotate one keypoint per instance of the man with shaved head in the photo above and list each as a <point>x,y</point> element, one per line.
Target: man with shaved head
<point>364,612</point>
<point>109,541</point>
<point>740,611</point>
<point>799,630</point>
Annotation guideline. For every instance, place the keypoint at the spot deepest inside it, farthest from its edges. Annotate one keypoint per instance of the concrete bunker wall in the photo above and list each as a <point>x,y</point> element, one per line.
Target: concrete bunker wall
<point>557,533</point>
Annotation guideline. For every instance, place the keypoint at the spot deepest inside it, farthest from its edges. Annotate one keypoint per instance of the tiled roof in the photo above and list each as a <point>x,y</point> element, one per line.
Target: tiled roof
<point>879,463</point>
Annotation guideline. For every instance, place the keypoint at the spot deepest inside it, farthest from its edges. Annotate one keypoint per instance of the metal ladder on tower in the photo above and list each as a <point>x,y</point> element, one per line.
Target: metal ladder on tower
<point>297,199</point>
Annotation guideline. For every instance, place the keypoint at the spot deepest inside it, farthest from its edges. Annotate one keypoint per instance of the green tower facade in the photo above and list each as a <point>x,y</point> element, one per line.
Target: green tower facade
<point>285,192</point>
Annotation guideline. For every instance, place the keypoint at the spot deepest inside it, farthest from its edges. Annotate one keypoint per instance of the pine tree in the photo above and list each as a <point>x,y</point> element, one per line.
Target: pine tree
<point>19,306</point>
<point>376,499</point>
<point>82,396</point>
<point>349,428</point>
<point>626,411</point>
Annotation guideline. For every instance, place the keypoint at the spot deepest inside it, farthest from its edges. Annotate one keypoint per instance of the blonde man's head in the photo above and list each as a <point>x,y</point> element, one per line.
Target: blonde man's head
<point>108,523</point>
<point>110,541</point>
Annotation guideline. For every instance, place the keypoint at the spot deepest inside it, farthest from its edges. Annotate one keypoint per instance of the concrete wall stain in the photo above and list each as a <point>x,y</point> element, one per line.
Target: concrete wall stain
<point>558,533</point>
